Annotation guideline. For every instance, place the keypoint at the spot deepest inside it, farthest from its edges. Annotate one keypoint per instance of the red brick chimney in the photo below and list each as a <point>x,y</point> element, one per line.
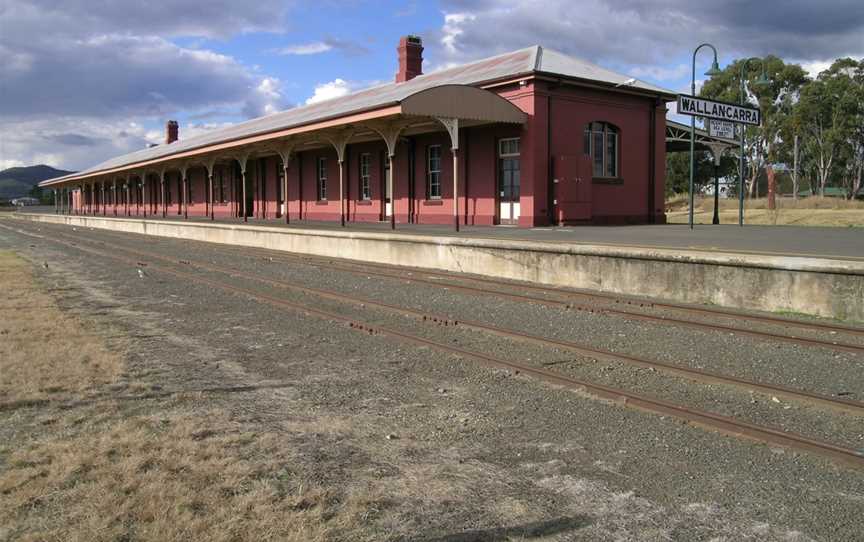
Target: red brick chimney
<point>410,58</point>
<point>172,131</point>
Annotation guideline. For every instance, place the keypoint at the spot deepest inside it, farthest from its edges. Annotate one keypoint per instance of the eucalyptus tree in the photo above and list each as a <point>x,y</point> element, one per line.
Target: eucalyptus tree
<point>777,100</point>
<point>831,113</point>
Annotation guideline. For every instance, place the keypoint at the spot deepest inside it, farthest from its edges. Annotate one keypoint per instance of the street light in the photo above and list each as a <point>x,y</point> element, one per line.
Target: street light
<point>761,81</point>
<point>712,71</point>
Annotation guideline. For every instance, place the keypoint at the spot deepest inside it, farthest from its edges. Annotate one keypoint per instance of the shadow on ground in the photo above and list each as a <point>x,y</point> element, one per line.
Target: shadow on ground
<point>534,529</point>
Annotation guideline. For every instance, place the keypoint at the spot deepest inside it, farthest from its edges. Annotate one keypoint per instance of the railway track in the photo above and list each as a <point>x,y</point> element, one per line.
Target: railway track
<point>713,421</point>
<point>698,375</point>
<point>617,306</point>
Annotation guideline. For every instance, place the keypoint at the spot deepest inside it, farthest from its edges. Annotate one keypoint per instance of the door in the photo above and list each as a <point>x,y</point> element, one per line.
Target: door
<point>571,189</point>
<point>508,181</point>
<point>388,197</point>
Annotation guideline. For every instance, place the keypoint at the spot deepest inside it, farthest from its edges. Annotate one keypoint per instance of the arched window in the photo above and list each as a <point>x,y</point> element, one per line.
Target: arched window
<point>601,145</point>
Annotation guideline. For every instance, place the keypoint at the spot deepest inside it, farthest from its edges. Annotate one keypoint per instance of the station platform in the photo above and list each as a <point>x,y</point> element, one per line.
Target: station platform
<point>807,270</point>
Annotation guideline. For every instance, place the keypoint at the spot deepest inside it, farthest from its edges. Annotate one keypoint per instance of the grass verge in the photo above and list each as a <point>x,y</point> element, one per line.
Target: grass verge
<point>180,467</point>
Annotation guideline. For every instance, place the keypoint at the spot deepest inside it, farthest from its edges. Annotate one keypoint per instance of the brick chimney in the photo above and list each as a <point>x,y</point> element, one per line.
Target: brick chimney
<point>410,58</point>
<point>172,131</point>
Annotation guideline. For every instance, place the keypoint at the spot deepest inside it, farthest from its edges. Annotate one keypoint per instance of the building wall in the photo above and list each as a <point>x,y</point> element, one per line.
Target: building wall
<point>581,198</point>
<point>551,142</point>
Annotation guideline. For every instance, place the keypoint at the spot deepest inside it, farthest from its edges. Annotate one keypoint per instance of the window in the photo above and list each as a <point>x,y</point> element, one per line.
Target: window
<point>322,179</point>
<point>433,172</point>
<point>365,177</point>
<point>508,147</point>
<point>600,143</point>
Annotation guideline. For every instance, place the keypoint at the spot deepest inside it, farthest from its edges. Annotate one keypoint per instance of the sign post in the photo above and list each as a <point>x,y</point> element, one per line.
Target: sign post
<point>721,118</point>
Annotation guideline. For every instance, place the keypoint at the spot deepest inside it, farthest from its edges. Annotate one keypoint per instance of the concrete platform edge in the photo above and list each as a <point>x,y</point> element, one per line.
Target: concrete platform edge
<point>814,286</point>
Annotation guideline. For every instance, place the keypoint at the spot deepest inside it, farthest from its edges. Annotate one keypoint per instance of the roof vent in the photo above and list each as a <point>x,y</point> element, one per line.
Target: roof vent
<point>410,58</point>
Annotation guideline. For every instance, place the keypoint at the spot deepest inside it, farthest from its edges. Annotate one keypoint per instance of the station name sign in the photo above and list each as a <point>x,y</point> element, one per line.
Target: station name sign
<point>700,107</point>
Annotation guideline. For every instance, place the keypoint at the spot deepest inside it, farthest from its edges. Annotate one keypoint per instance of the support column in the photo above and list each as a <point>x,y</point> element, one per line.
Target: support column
<point>390,133</point>
<point>162,193</point>
<point>452,126</point>
<point>211,167</point>
<point>285,154</point>
<point>340,143</point>
<point>456,189</point>
<point>243,161</point>
<point>184,171</point>
<point>144,193</point>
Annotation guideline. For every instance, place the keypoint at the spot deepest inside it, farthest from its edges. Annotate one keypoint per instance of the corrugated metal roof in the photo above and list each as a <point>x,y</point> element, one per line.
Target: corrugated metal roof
<point>522,62</point>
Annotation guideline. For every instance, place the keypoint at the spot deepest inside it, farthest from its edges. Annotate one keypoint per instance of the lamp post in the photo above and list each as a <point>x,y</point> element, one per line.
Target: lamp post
<point>761,81</point>
<point>714,70</point>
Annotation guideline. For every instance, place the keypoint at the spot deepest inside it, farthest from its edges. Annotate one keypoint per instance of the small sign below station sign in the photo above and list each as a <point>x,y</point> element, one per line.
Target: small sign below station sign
<point>721,128</point>
<point>700,107</point>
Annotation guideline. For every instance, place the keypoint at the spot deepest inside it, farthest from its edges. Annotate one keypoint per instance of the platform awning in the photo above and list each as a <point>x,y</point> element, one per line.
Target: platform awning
<point>467,104</point>
<point>462,102</point>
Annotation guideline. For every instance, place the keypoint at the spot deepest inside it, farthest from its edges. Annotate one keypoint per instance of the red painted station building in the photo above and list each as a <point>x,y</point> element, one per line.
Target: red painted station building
<point>532,137</point>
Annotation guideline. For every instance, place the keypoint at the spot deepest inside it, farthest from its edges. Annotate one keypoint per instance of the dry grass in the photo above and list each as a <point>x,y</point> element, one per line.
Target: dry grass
<point>174,477</point>
<point>44,353</point>
<point>813,211</point>
<point>177,468</point>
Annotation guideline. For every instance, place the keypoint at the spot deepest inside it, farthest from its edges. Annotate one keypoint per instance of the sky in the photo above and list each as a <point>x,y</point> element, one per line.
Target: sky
<point>85,80</point>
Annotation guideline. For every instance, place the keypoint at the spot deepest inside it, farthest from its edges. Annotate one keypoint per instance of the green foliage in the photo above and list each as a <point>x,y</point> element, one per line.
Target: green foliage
<point>826,114</point>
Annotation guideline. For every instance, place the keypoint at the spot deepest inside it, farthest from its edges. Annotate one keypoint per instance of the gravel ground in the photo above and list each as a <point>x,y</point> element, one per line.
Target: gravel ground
<point>476,453</point>
<point>814,369</point>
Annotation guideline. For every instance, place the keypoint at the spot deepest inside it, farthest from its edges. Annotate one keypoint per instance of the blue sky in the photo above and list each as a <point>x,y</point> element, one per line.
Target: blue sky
<point>84,81</point>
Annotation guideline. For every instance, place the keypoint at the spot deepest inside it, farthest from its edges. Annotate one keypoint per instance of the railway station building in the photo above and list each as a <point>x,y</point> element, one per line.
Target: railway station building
<point>529,138</point>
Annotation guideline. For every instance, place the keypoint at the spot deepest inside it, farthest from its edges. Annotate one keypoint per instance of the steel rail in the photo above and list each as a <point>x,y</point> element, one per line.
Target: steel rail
<point>698,375</point>
<point>709,420</point>
<point>801,341</point>
<point>610,298</point>
<point>582,349</point>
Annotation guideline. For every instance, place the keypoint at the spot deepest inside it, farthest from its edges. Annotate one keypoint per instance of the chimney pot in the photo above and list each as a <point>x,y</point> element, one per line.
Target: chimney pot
<point>410,58</point>
<point>172,131</point>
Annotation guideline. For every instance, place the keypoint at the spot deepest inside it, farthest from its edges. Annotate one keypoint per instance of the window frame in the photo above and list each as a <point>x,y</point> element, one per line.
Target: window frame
<point>364,166</point>
<point>321,178</point>
<point>607,131</point>
<point>512,153</point>
<point>433,176</point>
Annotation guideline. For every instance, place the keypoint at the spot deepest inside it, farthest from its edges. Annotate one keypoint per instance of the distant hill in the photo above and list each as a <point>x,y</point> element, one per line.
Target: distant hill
<point>18,181</point>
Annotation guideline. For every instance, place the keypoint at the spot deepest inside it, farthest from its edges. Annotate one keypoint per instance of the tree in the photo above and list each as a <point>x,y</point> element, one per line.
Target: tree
<point>678,171</point>
<point>829,113</point>
<point>775,100</point>
<point>44,197</point>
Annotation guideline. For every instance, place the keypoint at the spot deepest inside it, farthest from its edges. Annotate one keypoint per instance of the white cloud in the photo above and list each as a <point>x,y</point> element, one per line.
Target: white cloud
<point>328,91</point>
<point>816,67</point>
<point>650,36</point>
<point>453,28</point>
<point>75,73</point>
<point>347,47</point>
<point>313,48</point>
<point>662,73</point>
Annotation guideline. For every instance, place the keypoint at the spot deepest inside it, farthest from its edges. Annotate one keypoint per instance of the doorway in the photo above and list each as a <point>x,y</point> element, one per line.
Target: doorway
<point>508,181</point>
